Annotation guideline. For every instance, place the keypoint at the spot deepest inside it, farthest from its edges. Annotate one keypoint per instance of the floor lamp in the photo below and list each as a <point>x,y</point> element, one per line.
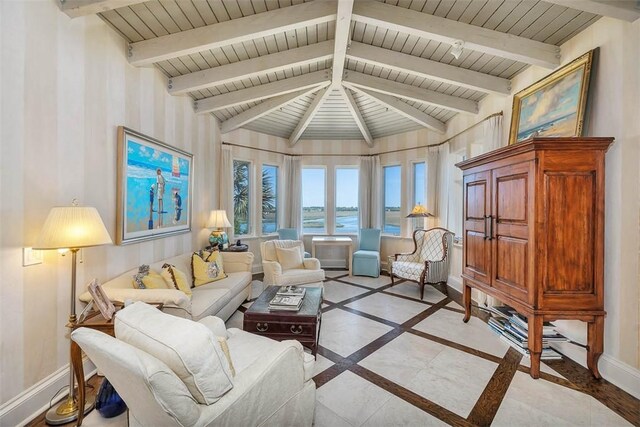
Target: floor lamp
<point>73,228</point>
<point>418,211</point>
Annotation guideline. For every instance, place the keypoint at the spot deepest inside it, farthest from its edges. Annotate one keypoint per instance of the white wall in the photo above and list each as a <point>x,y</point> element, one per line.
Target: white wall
<point>615,112</point>
<point>65,86</point>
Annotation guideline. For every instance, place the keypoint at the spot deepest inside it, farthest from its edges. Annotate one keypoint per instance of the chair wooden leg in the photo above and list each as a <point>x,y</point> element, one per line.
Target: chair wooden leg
<point>391,274</point>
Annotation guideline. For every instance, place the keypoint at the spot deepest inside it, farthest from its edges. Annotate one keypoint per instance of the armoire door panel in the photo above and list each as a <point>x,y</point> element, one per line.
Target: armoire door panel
<point>511,271</point>
<point>476,208</point>
<point>476,197</point>
<point>512,208</point>
<point>511,195</point>
<point>570,238</point>
<point>476,255</point>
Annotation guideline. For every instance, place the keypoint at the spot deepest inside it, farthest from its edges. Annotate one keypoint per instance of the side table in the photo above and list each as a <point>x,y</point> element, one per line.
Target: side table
<point>94,320</point>
<point>334,241</point>
<point>236,248</point>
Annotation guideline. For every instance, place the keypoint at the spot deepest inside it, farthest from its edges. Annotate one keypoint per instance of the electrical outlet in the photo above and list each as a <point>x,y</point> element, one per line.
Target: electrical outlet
<point>31,256</point>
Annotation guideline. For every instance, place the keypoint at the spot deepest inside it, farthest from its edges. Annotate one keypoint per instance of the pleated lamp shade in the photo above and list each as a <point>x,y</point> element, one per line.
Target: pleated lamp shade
<point>218,219</point>
<point>73,227</point>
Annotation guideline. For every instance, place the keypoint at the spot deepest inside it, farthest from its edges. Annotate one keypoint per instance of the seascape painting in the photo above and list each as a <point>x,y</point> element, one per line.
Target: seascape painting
<point>154,186</point>
<point>554,106</point>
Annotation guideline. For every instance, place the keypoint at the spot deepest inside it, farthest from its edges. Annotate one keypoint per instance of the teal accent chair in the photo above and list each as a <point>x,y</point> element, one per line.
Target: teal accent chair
<point>291,234</point>
<point>366,260</point>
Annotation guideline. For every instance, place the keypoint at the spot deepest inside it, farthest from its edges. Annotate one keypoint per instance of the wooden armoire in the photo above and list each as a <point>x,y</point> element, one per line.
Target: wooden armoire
<point>533,218</point>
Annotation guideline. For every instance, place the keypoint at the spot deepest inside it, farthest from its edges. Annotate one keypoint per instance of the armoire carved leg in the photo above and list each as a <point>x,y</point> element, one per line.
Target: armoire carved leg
<point>595,344</point>
<point>535,344</point>
<point>466,301</point>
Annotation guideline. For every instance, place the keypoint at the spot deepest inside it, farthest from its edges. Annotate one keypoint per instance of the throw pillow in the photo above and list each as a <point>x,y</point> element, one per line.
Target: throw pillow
<point>176,278</point>
<point>207,268</point>
<point>188,348</point>
<point>289,258</point>
<point>146,278</point>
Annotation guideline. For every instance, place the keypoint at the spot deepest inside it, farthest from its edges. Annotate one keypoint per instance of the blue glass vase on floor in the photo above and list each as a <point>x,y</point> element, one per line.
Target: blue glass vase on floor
<point>108,402</point>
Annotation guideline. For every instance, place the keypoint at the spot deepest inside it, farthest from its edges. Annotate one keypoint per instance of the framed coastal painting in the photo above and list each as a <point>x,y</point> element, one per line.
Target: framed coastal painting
<point>555,105</point>
<point>155,188</point>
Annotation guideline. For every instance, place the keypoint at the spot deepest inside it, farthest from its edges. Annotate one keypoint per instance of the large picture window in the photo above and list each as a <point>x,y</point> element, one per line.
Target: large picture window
<point>314,215</point>
<point>392,192</point>
<point>346,200</point>
<point>269,199</point>
<point>241,197</point>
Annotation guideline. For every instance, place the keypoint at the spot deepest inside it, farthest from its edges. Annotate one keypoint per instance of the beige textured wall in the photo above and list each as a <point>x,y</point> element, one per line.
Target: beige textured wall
<point>615,112</point>
<point>65,86</point>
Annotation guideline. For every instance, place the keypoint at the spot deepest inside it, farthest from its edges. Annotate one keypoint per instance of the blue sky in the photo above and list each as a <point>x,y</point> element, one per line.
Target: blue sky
<point>313,186</point>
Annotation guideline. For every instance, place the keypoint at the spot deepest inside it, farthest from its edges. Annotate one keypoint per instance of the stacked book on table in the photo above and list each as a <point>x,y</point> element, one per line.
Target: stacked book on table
<point>513,328</point>
<point>288,298</point>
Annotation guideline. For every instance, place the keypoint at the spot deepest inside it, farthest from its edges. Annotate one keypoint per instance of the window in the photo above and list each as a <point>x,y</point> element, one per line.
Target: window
<point>314,216</point>
<point>391,217</point>
<point>269,199</point>
<point>418,184</point>
<point>241,197</point>
<point>346,200</point>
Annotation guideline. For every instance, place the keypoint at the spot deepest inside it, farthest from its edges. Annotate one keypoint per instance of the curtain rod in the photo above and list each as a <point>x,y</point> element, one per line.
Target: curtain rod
<point>500,113</point>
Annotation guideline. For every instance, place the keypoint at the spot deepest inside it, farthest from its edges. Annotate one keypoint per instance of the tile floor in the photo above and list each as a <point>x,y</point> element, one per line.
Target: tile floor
<point>406,362</point>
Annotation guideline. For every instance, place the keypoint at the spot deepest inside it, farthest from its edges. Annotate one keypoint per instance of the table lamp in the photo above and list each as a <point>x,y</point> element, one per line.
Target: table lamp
<point>218,221</point>
<point>418,211</point>
<point>73,228</point>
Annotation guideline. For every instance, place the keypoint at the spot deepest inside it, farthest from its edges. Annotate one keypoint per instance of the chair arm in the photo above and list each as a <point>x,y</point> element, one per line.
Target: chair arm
<point>312,263</point>
<point>271,269</point>
<point>260,389</point>
<point>168,297</point>
<point>215,325</point>
<point>234,262</point>
<point>405,257</point>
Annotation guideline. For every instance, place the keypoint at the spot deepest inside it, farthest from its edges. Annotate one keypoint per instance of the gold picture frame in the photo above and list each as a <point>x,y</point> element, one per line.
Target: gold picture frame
<point>554,105</point>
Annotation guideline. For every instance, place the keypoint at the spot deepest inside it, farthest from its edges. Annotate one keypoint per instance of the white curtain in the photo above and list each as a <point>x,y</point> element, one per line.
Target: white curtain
<point>369,193</point>
<point>438,184</point>
<point>493,133</point>
<point>292,179</point>
<point>226,186</point>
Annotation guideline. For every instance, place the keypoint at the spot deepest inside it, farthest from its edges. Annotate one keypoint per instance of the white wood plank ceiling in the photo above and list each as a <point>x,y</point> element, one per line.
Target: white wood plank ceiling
<point>343,69</point>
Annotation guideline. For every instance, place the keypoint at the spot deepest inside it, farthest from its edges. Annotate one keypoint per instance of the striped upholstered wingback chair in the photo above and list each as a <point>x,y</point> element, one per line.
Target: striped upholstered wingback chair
<point>429,261</point>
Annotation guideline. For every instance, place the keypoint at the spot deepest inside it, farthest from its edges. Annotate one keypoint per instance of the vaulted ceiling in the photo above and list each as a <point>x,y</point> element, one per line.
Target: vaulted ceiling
<point>344,70</point>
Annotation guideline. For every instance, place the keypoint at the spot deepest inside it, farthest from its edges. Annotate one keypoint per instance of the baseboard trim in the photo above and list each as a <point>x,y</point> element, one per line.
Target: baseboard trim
<point>35,400</point>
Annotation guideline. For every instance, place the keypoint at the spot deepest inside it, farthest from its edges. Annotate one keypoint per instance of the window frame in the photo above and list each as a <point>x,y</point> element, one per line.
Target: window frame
<point>326,209</point>
<point>413,183</point>
<point>251,217</point>
<point>278,199</point>
<point>335,200</point>
<point>384,233</point>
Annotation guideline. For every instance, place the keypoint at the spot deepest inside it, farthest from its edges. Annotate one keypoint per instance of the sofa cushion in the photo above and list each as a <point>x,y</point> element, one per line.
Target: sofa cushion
<point>153,280</point>
<point>176,279</point>
<point>289,258</point>
<point>207,267</point>
<point>208,300</point>
<point>188,348</point>
<point>300,276</point>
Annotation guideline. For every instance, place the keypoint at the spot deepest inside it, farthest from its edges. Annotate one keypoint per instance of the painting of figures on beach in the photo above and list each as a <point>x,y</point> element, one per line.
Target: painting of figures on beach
<point>554,106</point>
<point>154,182</point>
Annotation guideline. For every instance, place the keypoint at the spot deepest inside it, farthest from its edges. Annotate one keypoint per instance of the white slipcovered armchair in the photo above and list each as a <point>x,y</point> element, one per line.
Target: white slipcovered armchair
<point>284,263</point>
<point>272,385</point>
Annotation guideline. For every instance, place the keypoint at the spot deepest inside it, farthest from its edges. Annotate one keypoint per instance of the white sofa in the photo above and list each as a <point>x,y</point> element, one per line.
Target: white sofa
<point>308,273</point>
<point>221,298</point>
<point>272,385</point>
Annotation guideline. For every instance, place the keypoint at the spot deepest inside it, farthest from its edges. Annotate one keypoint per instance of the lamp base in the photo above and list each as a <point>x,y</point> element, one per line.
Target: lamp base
<point>67,411</point>
<point>220,238</point>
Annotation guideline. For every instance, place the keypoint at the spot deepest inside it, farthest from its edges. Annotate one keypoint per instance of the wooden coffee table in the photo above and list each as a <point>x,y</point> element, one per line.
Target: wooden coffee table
<point>302,325</point>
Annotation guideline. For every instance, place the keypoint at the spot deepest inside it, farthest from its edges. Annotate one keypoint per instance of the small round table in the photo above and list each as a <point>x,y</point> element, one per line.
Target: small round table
<point>236,248</point>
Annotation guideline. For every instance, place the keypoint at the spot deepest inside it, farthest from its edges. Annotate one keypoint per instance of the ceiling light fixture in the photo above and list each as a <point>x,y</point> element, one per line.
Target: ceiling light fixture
<point>456,50</point>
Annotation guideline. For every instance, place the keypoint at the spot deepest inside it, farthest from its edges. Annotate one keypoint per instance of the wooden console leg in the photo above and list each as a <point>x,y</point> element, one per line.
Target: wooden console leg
<point>595,344</point>
<point>535,344</point>
<point>76,361</point>
<point>466,301</point>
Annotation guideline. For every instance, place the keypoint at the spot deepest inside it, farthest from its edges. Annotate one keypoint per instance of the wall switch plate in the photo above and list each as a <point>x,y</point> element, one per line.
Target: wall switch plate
<point>31,256</point>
